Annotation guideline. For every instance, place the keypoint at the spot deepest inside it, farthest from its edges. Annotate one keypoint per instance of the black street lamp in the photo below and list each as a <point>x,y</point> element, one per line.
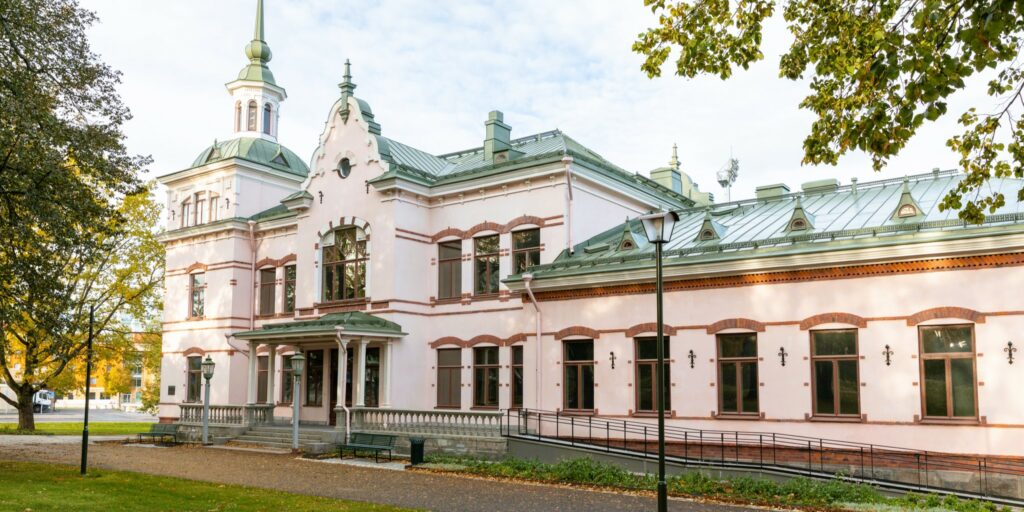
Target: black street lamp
<point>658,228</point>
<point>207,367</point>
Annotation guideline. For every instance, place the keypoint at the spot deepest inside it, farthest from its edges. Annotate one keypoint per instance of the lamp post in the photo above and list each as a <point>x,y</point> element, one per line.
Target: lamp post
<point>658,228</point>
<point>207,367</point>
<point>298,364</point>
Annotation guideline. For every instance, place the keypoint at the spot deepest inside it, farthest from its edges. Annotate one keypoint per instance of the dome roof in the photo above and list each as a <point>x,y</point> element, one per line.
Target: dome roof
<point>252,149</point>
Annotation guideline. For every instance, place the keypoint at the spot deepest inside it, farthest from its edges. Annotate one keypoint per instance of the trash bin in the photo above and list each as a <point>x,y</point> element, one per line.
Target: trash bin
<point>416,450</point>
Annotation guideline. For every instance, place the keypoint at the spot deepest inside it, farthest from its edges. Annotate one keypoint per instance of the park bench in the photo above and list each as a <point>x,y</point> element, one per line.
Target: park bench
<point>363,442</point>
<point>161,433</point>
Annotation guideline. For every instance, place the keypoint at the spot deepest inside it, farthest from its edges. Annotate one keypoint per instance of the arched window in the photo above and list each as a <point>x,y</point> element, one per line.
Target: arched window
<point>906,210</point>
<point>238,116</point>
<point>266,118</point>
<point>344,265</point>
<point>251,124</point>
<point>186,214</point>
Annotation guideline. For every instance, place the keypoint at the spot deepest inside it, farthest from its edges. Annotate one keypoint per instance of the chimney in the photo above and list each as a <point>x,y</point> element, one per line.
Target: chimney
<point>498,136</point>
<point>770,191</point>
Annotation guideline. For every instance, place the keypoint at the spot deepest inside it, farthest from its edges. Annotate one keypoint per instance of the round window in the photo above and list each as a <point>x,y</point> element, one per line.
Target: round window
<point>344,168</point>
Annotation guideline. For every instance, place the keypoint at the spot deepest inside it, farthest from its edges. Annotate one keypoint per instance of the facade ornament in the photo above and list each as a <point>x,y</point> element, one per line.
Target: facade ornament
<point>782,355</point>
<point>1010,349</point>
<point>692,356</point>
<point>888,355</point>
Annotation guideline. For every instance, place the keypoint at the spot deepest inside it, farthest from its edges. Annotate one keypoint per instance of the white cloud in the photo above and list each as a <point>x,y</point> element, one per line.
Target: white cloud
<point>432,70</point>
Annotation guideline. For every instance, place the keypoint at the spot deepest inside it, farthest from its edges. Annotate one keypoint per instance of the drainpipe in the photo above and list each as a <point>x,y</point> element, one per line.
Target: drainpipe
<point>567,161</point>
<point>527,279</point>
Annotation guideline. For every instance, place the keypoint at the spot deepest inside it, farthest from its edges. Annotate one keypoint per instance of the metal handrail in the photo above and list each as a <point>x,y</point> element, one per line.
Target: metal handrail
<point>893,467</point>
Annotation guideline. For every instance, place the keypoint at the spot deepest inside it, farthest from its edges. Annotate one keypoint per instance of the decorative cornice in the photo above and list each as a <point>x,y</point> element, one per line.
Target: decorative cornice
<point>488,226</point>
<point>577,330</point>
<point>196,266</point>
<point>792,276</point>
<point>946,312</point>
<point>735,323</point>
<point>833,318</point>
<point>276,263</point>
<point>482,339</point>
<point>632,332</point>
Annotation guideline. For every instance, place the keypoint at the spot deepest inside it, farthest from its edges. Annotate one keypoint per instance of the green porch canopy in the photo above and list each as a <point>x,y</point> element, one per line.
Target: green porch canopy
<point>353,323</point>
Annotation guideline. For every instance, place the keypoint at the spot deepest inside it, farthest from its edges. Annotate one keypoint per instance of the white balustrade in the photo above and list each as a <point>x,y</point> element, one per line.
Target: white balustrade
<point>436,422</point>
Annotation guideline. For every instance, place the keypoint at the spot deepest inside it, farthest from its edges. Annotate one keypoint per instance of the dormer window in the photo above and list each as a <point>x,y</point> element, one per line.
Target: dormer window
<point>267,110</point>
<point>251,114</point>
<point>279,160</point>
<point>907,210</point>
<point>797,225</point>
<point>627,245</point>
<point>707,234</point>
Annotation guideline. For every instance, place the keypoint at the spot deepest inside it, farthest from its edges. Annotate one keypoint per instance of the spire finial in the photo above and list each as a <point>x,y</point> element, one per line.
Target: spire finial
<point>258,32</point>
<point>346,85</point>
<point>674,162</point>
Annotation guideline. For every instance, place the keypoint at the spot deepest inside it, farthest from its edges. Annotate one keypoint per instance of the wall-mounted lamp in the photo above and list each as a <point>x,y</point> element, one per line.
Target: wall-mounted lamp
<point>888,355</point>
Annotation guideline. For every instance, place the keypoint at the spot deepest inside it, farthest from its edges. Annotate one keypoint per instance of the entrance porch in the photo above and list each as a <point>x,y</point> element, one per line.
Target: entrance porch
<point>348,363</point>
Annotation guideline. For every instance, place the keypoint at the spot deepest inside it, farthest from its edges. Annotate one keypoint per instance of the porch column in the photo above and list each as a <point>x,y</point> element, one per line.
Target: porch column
<point>271,376</point>
<point>360,382</point>
<point>385,383</point>
<point>251,395</point>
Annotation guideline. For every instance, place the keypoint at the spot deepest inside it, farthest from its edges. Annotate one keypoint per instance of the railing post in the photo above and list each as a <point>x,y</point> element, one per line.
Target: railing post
<point>760,450</point>
<point>862,462</point>
<point>721,446</point>
<point>918,457</point>
<point>607,436</point>
<point>810,461</point>
<point>821,454</point>
<point>572,430</point>
<point>872,448</point>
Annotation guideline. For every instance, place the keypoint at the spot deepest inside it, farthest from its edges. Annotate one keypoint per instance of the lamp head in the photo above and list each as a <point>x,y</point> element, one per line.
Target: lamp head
<point>298,364</point>
<point>207,367</point>
<point>658,226</point>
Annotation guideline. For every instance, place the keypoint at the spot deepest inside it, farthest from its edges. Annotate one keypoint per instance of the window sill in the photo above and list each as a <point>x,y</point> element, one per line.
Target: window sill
<point>196,318</point>
<point>836,419</point>
<point>652,414</point>
<point>483,408</point>
<point>448,300</point>
<point>346,302</point>
<point>737,416</point>
<point>949,421</point>
<point>448,407</point>
<point>485,296</point>
<point>577,413</point>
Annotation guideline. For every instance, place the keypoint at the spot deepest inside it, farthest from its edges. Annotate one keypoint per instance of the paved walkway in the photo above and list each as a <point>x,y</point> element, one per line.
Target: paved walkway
<point>75,415</point>
<point>411,489</point>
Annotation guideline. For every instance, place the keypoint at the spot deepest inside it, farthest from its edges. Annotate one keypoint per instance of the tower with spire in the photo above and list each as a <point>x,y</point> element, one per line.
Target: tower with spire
<point>255,94</point>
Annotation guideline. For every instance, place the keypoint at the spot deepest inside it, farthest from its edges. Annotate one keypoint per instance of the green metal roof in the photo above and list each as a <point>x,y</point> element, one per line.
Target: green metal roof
<point>355,322</point>
<point>255,150</point>
<point>845,217</point>
<point>430,170</point>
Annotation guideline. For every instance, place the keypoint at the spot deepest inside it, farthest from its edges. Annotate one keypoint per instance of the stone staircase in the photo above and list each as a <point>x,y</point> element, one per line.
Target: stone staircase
<point>280,437</point>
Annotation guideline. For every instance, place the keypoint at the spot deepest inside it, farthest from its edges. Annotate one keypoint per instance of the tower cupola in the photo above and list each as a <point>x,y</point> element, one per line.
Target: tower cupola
<point>255,93</point>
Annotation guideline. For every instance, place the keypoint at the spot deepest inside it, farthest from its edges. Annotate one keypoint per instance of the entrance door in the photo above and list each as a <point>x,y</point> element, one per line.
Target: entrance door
<point>333,372</point>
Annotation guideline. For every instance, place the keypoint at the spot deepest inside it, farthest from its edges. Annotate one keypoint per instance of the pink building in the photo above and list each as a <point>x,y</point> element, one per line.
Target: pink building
<point>503,276</point>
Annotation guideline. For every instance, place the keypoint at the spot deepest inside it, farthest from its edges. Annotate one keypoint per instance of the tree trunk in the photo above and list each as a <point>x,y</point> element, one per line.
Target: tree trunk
<point>26,416</point>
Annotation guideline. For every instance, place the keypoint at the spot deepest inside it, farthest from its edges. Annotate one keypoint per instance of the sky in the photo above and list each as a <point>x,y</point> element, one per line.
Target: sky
<point>431,70</point>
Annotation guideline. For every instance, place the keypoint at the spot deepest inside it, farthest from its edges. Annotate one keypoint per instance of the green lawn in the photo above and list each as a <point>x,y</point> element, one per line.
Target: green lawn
<point>40,487</point>
<point>70,429</point>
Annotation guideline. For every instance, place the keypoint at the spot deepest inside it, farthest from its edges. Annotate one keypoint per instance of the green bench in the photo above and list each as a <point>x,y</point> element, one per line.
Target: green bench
<point>362,442</point>
<point>161,433</point>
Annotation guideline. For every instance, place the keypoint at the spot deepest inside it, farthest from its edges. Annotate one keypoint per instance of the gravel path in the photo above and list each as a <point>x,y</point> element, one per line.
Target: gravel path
<point>401,488</point>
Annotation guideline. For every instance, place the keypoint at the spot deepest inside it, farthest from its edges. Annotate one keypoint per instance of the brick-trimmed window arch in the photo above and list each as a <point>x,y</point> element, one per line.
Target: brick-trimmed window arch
<point>946,312</point>
<point>833,318</point>
<point>193,351</point>
<point>736,323</point>
<point>651,327</point>
<point>577,330</point>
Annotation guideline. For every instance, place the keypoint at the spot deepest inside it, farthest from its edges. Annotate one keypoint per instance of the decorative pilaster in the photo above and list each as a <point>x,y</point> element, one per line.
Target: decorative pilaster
<point>271,377</point>
<point>385,385</point>
<point>251,390</point>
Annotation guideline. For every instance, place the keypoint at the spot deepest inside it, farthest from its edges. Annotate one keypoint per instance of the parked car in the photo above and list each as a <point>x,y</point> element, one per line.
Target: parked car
<point>42,401</point>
